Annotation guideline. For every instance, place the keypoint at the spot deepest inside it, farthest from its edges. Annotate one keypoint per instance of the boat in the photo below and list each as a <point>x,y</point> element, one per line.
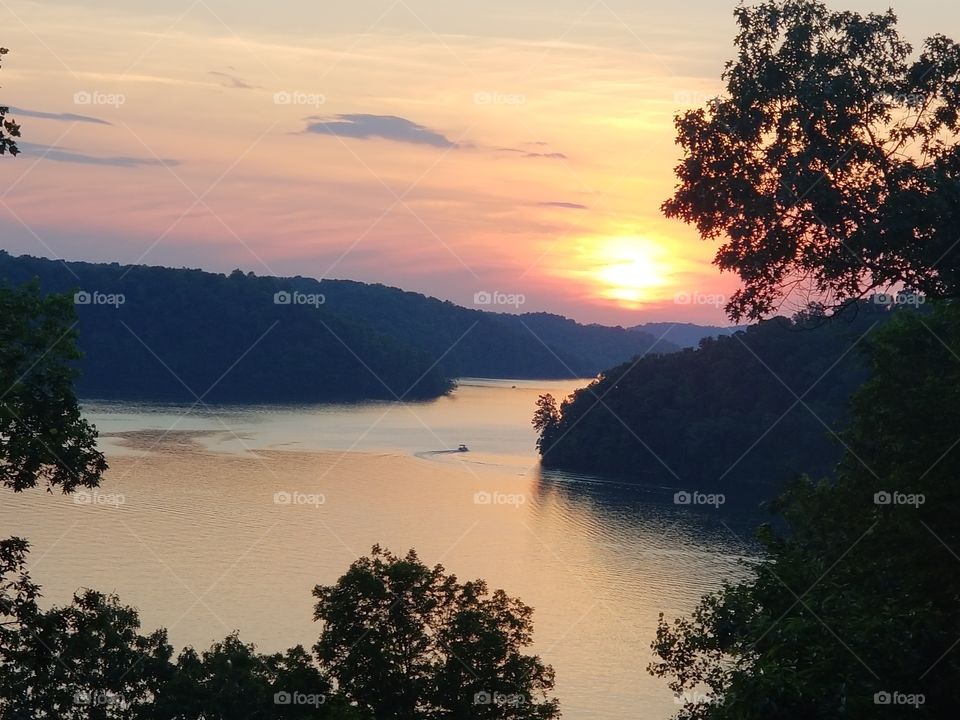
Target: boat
<point>463,448</point>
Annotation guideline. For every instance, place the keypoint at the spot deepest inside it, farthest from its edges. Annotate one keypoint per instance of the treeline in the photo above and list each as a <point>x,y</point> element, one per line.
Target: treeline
<point>399,640</point>
<point>175,335</point>
<point>757,407</point>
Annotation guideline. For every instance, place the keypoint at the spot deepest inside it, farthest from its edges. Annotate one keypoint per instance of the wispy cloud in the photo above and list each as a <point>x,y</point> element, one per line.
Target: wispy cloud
<point>559,204</point>
<point>67,155</point>
<point>547,155</point>
<point>62,117</point>
<point>386,127</point>
<point>232,81</point>
<point>533,154</point>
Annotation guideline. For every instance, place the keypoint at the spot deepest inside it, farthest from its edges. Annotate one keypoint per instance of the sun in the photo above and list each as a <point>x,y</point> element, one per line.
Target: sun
<point>629,270</point>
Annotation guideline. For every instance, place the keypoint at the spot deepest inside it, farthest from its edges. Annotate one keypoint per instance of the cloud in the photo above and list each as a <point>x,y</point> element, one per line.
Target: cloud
<point>387,127</point>
<point>49,152</point>
<point>232,81</point>
<point>531,154</point>
<point>548,156</point>
<point>558,204</point>
<point>62,117</point>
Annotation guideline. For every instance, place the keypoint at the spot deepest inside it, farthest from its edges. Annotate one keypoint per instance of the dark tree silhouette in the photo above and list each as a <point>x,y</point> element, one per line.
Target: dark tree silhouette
<point>831,166</point>
<point>409,642</point>
<point>43,438</point>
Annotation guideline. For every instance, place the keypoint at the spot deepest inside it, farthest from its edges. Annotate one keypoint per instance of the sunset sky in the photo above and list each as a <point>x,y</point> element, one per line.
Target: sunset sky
<point>443,147</point>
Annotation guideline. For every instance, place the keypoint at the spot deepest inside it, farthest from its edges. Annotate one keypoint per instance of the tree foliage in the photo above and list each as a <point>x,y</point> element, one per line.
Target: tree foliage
<point>399,641</point>
<point>854,603</point>
<point>546,421</point>
<point>406,641</point>
<point>43,438</point>
<point>830,166</point>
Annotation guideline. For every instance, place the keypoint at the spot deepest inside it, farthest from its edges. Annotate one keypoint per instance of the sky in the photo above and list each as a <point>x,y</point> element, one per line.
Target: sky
<point>515,151</point>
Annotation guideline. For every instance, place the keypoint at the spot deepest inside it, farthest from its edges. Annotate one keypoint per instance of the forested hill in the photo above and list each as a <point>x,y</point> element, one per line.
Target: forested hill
<point>755,407</point>
<point>684,334</point>
<point>180,333</point>
<point>476,343</point>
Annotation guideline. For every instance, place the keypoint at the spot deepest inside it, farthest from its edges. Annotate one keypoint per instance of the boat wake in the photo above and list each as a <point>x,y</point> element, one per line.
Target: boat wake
<point>427,454</point>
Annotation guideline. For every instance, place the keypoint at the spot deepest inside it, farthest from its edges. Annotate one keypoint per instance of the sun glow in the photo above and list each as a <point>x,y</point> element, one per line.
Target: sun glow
<point>629,269</point>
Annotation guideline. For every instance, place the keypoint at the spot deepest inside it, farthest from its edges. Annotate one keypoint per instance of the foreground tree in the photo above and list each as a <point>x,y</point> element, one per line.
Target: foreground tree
<point>831,165</point>
<point>43,438</point>
<point>233,680</point>
<point>85,660</point>
<point>854,604</point>
<point>834,163</point>
<point>409,642</point>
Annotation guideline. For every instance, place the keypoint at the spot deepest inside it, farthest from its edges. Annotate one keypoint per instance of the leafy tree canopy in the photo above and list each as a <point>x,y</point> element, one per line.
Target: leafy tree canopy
<point>43,438</point>
<point>409,642</point>
<point>830,167</point>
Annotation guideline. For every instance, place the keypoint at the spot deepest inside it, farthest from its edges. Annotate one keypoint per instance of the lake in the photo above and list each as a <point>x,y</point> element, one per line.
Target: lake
<point>214,519</point>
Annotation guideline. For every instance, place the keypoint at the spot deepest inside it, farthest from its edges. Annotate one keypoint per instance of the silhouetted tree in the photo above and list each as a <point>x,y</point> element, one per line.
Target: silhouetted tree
<point>409,642</point>
<point>853,605</point>
<point>43,438</point>
<point>545,421</point>
<point>831,164</point>
<point>835,161</point>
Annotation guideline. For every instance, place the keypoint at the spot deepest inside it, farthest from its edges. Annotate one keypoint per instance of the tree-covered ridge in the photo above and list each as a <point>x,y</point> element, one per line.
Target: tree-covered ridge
<point>175,334</point>
<point>756,407</point>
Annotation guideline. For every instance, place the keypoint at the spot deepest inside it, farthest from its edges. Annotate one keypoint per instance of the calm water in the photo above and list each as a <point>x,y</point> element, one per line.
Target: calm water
<point>192,526</point>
